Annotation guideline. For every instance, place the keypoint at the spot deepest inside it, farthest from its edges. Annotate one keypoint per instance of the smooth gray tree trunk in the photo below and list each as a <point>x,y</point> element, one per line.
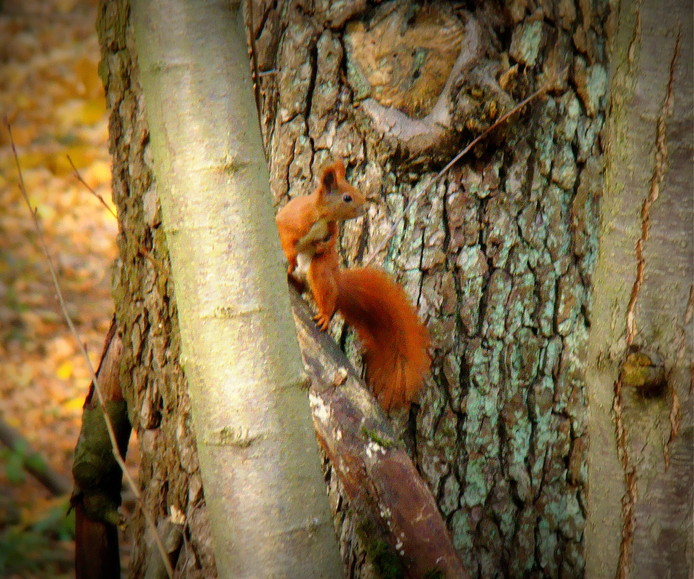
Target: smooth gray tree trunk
<point>255,439</point>
<point>641,463</point>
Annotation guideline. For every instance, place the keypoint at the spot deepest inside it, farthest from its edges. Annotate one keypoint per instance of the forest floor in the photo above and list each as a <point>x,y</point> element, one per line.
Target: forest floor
<point>52,96</point>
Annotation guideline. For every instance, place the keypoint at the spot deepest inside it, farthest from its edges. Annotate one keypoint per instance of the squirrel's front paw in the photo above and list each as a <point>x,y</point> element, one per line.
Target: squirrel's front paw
<point>322,321</point>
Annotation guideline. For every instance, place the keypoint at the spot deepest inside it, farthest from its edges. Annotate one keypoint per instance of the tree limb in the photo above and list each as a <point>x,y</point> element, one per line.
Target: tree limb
<point>98,477</point>
<point>374,468</point>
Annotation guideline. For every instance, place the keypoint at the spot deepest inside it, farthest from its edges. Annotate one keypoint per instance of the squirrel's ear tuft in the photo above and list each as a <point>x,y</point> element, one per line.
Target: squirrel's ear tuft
<point>329,179</point>
<point>331,175</point>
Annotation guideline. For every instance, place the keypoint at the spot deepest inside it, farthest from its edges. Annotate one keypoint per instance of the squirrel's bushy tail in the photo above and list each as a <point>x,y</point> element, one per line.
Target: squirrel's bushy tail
<point>395,341</point>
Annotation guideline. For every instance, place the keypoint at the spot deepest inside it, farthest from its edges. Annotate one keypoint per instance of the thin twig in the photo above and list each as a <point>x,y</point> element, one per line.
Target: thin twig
<point>77,176</point>
<point>142,250</point>
<point>61,300</point>
<point>443,171</point>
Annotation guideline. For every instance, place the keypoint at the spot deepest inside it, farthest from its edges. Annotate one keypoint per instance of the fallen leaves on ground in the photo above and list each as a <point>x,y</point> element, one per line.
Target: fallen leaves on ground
<point>52,96</point>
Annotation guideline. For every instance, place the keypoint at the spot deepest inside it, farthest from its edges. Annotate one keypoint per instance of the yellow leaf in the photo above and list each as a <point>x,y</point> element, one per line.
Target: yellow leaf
<point>13,421</point>
<point>65,6</point>
<point>74,404</point>
<point>98,173</point>
<point>75,112</point>
<point>82,156</point>
<point>31,160</point>
<point>65,370</point>
<point>92,111</point>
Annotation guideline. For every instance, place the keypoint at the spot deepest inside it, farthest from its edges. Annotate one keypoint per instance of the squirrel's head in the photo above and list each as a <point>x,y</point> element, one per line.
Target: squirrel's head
<point>340,200</point>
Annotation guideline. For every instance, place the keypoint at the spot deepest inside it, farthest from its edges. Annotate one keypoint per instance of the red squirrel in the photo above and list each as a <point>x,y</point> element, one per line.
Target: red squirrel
<point>395,341</point>
<point>306,222</point>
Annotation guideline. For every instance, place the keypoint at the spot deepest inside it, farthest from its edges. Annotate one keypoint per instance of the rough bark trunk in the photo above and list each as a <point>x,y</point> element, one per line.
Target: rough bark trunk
<point>499,257</point>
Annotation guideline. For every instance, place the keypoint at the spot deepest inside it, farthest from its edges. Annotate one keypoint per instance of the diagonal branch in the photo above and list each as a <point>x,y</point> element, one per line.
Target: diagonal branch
<point>56,483</point>
<point>374,468</point>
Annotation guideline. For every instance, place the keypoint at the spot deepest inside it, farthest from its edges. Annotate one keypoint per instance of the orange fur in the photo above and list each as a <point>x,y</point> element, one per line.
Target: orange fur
<point>395,341</point>
<point>306,223</point>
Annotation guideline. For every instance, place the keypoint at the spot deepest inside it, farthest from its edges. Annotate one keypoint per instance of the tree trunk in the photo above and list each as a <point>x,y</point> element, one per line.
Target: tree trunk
<point>499,257</point>
<point>642,449</point>
<point>154,385</point>
<point>235,434</point>
<point>255,437</point>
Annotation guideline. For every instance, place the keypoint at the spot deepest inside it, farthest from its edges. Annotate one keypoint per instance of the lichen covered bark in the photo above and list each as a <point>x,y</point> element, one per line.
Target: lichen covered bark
<point>153,383</point>
<point>499,255</point>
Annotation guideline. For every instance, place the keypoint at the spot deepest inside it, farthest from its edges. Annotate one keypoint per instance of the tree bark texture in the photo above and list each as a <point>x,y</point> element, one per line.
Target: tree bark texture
<point>389,497</point>
<point>97,476</point>
<point>499,256</point>
<point>641,433</point>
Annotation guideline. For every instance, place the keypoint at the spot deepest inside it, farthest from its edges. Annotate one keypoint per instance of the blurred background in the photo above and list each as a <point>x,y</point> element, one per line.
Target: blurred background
<point>53,98</point>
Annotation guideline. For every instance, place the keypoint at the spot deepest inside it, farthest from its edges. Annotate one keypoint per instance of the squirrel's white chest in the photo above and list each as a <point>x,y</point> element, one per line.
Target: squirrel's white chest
<point>303,260</point>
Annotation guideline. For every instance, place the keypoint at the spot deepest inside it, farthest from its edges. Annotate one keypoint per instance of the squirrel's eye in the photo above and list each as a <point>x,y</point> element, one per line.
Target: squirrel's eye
<point>347,198</point>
